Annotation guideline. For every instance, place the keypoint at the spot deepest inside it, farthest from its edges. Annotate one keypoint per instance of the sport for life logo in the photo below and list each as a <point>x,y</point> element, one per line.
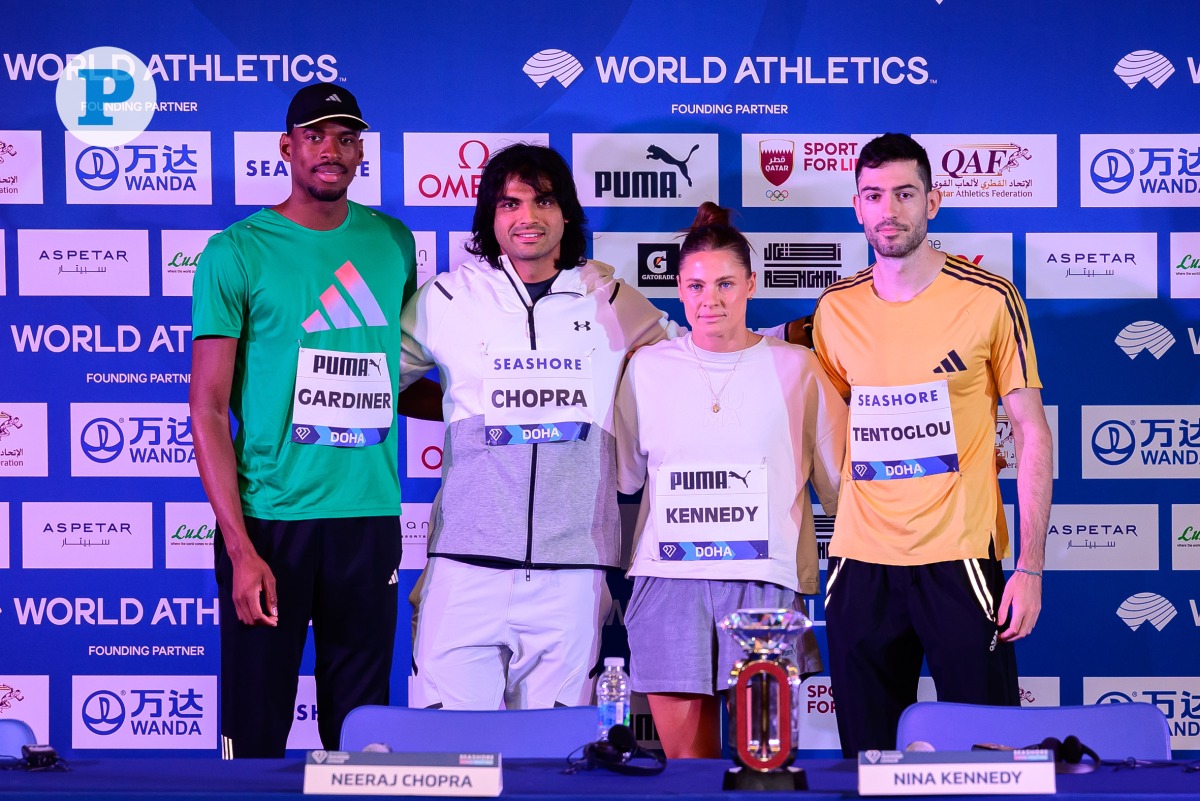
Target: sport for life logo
<point>106,96</point>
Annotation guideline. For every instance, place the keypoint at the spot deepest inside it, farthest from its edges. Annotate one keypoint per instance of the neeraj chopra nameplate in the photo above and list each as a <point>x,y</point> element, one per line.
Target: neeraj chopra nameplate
<point>1020,772</point>
<point>373,773</point>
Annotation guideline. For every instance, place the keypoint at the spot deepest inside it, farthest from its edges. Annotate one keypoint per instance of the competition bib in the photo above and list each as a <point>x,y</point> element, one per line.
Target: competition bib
<point>532,396</point>
<point>342,399</point>
<point>901,432</point>
<point>709,514</point>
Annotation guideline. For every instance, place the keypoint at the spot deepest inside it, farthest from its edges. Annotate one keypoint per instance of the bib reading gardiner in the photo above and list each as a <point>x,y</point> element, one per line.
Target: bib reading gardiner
<point>341,399</point>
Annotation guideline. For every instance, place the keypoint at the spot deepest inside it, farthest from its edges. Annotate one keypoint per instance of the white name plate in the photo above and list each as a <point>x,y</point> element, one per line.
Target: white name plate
<point>372,773</point>
<point>1021,772</point>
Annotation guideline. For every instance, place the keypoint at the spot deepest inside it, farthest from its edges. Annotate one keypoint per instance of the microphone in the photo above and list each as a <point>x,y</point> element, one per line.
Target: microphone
<point>377,748</point>
<point>920,745</point>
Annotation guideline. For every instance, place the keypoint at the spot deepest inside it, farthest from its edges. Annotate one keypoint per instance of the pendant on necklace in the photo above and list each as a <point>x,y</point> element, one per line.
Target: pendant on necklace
<point>716,408</point>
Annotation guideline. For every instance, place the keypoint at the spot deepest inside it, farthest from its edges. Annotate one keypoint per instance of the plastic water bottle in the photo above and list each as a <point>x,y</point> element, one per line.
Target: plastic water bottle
<point>612,696</point>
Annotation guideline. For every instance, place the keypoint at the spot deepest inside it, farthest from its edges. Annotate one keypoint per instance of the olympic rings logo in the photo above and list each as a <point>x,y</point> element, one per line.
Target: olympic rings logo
<point>776,194</point>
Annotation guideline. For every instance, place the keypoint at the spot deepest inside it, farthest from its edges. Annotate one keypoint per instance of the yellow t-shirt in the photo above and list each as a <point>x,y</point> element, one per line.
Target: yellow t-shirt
<point>968,328</point>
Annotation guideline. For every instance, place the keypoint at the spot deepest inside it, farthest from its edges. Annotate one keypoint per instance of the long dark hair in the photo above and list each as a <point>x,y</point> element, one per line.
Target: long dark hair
<point>538,167</point>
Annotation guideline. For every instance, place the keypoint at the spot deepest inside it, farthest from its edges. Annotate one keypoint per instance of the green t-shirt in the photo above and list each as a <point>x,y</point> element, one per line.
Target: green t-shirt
<point>279,287</point>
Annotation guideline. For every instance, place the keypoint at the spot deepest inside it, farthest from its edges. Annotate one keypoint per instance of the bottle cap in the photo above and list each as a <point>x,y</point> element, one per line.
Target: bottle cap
<point>614,661</point>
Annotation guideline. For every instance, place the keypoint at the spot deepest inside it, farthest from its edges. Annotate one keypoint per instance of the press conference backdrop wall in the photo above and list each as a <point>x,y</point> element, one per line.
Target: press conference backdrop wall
<point>1064,136</point>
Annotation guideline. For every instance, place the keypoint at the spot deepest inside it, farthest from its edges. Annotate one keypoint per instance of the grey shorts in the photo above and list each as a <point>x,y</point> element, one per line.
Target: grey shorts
<point>674,642</point>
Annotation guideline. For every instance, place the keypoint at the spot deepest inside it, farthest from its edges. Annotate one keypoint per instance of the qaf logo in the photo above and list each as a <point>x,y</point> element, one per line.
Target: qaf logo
<point>1000,171</point>
<point>1144,65</point>
<point>9,695</point>
<point>558,65</point>
<point>1146,607</point>
<point>9,424</point>
<point>158,168</point>
<point>1145,335</point>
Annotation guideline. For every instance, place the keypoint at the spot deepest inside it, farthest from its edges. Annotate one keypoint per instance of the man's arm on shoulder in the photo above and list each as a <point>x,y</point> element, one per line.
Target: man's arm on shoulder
<point>1035,478</point>
<point>208,396</point>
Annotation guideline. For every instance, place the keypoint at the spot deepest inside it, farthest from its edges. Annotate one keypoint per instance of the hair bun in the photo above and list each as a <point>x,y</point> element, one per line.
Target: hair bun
<point>708,214</point>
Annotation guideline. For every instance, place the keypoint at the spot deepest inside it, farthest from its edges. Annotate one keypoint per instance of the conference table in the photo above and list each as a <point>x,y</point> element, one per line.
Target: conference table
<point>177,779</point>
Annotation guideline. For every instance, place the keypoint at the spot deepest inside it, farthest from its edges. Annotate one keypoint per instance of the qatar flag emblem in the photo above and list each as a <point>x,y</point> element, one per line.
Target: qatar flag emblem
<point>775,158</point>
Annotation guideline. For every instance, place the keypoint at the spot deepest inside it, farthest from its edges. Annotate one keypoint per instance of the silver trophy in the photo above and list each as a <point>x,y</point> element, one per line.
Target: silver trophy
<point>762,700</point>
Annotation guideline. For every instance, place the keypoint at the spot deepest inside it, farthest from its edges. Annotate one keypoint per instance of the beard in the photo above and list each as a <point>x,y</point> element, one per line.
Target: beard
<point>326,195</point>
<point>900,247</point>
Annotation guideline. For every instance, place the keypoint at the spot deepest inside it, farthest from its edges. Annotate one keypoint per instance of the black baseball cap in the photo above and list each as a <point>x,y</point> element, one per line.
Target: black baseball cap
<point>324,101</point>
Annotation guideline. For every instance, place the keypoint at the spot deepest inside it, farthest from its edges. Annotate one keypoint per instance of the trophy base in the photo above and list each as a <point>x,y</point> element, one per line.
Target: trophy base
<point>788,779</point>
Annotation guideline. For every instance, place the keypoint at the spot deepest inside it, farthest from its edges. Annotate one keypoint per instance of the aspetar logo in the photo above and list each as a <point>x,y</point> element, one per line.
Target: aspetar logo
<point>1091,265</point>
<point>1102,537</point>
<point>156,168</point>
<point>83,262</point>
<point>856,70</point>
<point>444,169</point>
<point>645,169</point>
<point>86,535</point>
<point>191,67</point>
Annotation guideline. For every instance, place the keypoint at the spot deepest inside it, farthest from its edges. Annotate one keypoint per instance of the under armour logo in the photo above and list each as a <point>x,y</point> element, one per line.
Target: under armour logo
<point>583,325</point>
<point>333,98</point>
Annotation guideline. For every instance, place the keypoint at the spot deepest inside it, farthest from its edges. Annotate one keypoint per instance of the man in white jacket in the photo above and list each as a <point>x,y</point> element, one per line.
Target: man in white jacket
<point>529,346</point>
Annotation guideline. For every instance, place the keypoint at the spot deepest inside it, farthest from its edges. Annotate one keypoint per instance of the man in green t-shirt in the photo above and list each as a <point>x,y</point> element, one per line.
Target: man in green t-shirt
<point>296,315</point>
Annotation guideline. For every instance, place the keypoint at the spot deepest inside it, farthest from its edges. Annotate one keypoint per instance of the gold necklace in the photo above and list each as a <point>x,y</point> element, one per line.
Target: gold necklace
<point>716,396</point>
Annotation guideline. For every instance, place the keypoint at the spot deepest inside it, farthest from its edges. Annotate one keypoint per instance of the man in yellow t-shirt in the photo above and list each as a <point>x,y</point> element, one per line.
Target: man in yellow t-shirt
<point>923,345</point>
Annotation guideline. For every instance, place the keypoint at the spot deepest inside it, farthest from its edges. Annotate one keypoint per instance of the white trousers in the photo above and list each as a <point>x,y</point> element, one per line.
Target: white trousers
<point>527,639</point>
